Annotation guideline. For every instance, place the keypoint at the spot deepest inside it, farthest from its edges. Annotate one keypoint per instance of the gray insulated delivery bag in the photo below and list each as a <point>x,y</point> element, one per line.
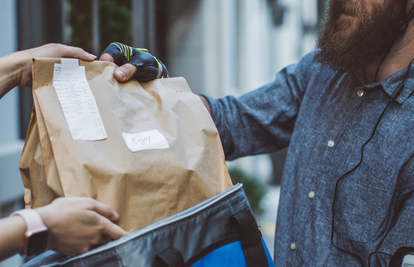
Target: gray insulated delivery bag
<point>221,231</point>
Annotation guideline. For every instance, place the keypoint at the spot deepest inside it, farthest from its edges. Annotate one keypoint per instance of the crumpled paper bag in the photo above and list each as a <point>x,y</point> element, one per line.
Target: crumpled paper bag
<point>144,186</point>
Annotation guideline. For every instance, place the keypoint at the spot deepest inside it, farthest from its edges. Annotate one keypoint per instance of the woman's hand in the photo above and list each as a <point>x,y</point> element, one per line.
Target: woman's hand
<point>48,50</point>
<point>16,68</point>
<point>78,224</point>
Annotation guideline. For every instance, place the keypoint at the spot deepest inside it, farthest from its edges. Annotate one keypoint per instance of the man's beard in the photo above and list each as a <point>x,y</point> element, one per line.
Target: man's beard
<point>351,44</point>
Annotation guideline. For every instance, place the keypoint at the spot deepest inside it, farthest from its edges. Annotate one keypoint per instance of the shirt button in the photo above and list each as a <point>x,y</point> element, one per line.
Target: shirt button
<point>292,246</point>
<point>331,143</point>
<point>311,194</point>
<point>360,93</point>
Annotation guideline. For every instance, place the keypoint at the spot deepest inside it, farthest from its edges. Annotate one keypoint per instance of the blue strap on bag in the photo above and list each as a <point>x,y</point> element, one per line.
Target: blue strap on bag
<point>221,231</point>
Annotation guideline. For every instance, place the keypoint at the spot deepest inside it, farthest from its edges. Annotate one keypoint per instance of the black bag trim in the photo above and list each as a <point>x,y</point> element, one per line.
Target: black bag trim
<point>251,238</point>
<point>170,257</point>
<point>248,233</point>
<point>211,248</point>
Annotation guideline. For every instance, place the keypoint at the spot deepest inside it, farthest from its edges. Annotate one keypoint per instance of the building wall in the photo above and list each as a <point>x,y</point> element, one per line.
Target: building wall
<point>11,186</point>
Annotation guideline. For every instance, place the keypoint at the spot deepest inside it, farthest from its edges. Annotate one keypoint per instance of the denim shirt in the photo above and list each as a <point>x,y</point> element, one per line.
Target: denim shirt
<point>325,117</point>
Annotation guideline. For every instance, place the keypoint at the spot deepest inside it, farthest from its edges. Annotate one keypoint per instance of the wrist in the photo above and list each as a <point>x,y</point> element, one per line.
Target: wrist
<point>162,70</point>
<point>206,104</point>
<point>10,70</point>
<point>23,68</point>
<point>16,63</point>
<point>36,235</point>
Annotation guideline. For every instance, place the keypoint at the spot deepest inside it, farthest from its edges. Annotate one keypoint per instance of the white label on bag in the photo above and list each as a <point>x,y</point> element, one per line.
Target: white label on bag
<point>77,101</point>
<point>145,140</point>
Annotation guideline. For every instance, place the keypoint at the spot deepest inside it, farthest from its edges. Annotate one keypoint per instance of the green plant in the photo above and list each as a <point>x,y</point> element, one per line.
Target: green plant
<point>115,23</point>
<point>80,20</point>
<point>255,190</point>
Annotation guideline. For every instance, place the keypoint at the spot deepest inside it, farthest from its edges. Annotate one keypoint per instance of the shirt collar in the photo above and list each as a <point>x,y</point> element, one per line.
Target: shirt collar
<point>392,82</point>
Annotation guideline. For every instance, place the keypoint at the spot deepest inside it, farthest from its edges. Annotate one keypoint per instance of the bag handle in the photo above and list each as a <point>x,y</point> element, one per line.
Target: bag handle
<point>170,257</point>
<point>251,238</point>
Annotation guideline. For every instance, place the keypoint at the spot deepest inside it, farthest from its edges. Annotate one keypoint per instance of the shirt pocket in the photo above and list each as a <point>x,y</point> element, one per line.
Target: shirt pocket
<point>360,210</point>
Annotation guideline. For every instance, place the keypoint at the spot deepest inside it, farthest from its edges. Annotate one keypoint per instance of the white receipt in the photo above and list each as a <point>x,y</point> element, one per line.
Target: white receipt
<point>77,101</point>
<point>145,140</point>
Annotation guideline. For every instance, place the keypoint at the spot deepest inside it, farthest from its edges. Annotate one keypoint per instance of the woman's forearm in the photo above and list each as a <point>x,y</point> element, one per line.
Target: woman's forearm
<point>11,67</point>
<point>12,236</point>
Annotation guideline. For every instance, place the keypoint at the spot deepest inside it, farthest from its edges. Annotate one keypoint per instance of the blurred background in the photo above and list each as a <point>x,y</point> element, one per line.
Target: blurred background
<point>220,46</point>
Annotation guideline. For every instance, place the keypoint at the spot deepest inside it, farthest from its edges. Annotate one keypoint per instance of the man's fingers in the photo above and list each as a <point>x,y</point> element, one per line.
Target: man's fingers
<point>125,72</point>
<point>112,230</point>
<point>106,57</point>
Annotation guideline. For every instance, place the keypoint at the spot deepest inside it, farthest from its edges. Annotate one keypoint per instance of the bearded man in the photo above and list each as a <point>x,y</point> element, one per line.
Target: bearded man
<point>346,112</point>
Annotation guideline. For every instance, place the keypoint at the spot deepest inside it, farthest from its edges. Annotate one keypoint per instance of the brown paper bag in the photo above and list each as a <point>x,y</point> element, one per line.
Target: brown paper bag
<point>144,186</point>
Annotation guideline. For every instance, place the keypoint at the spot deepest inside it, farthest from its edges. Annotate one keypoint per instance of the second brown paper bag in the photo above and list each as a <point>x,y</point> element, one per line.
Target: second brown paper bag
<point>144,186</point>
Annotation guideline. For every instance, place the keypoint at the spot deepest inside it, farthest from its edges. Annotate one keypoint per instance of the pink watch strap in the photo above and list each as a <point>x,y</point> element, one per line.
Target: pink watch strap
<point>33,220</point>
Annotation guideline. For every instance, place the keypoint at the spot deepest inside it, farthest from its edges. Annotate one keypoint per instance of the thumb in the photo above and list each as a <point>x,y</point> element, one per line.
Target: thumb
<point>125,72</point>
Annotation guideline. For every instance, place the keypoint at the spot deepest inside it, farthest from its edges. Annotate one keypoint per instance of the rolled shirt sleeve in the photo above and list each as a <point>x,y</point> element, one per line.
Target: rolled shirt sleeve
<point>262,121</point>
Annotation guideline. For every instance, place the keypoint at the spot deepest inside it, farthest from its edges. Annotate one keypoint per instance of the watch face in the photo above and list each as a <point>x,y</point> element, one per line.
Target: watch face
<point>37,243</point>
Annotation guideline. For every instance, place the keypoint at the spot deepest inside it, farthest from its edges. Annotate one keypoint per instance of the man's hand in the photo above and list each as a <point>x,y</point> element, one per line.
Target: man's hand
<point>77,225</point>
<point>134,62</point>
